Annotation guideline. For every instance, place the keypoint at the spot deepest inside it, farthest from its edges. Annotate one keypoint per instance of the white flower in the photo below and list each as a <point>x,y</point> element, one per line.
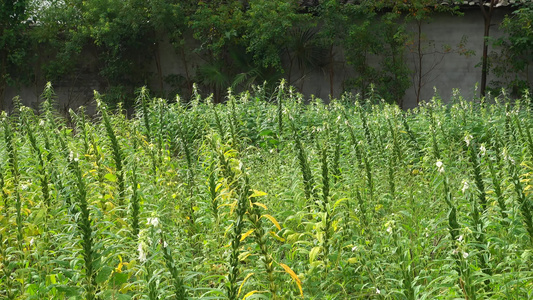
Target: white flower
<point>142,254</point>
<point>389,229</point>
<point>507,157</point>
<point>468,138</point>
<point>153,221</point>
<point>165,244</point>
<point>73,156</point>
<point>31,242</point>
<point>460,238</point>
<point>466,185</point>
<point>483,150</point>
<point>440,166</point>
<point>378,291</point>
<point>465,254</point>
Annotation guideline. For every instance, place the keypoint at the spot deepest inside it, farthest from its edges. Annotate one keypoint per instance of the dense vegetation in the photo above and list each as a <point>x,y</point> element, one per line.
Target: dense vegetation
<point>265,197</point>
<point>242,42</point>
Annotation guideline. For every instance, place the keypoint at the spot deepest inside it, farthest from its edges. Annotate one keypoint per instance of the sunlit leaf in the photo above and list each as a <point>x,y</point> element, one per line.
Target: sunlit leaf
<point>273,220</point>
<point>294,276</point>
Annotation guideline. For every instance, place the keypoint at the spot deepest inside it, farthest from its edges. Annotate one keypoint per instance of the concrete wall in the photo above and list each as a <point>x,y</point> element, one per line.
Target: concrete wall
<point>452,70</point>
<point>443,71</point>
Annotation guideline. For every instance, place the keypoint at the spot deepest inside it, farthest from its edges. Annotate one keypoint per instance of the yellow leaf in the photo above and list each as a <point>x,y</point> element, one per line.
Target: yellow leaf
<point>109,205</point>
<point>294,277</point>
<point>245,278</point>
<point>246,234</point>
<point>257,193</point>
<point>118,269</point>
<point>243,256</point>
<point>352,260</point>
<point>227,229</point>
<point>273,220</point>
<point>261,205</point>
<point>339,202</point>
<point>227,204</point>
<point>249,294</point>
<point>276,236</point>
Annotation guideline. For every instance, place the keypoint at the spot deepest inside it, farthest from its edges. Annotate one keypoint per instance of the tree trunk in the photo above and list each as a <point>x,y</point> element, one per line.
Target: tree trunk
<point>2,90</point>
<point>487,17</point>
<point>331,70</point>
<point>420,55</point>
<point>157,57</point>
<point>187,74</point>
<point>3,74</point>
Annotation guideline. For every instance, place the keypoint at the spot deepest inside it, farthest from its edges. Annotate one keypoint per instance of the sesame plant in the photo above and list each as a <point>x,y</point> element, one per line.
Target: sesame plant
<point>268,197</point>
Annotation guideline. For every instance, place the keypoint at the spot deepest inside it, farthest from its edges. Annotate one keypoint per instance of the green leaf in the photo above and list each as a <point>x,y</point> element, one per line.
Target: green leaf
<point>112,294</point>
<point>111,177</point>
<point>70,291</point>
<point>104,274</point>
<point>119,278</point>
<point>314,253</point>
<point>266,132</point>
<point>122,297</point>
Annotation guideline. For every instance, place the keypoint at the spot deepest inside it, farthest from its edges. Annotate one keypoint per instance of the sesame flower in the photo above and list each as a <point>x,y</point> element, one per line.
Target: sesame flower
<point>142,254</point>
<point>440,166</point>
<point>468,139</point>
<point>483,150</point>
<point>153,221</point>
<point>466,185</point>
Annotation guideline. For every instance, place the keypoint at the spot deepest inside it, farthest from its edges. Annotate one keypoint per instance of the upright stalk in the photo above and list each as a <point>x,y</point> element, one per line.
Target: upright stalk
<point>116,149</point>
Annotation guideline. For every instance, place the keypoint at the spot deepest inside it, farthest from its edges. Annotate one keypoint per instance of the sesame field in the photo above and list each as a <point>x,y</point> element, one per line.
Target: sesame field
<point>265,197</point>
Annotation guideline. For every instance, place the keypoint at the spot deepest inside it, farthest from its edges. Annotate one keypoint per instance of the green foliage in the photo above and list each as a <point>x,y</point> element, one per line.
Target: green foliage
<point>119,37</point>
<point>363,38</point>
<point>268,26</point>
<point>238,208</point>
<point>512,64</point>
<point>15,45</point>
